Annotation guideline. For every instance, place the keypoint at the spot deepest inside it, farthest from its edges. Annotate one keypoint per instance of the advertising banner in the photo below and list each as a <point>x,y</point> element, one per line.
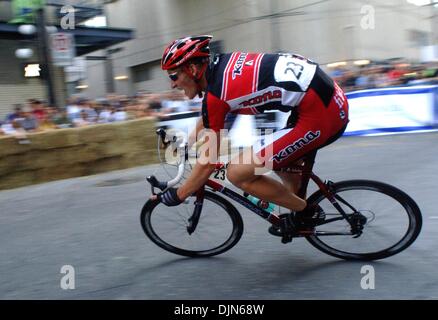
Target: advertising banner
<point>375,111</point>
<point>391,110</point>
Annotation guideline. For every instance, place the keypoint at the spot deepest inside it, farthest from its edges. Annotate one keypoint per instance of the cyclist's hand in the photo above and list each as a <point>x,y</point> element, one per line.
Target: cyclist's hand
<point>170,197</point>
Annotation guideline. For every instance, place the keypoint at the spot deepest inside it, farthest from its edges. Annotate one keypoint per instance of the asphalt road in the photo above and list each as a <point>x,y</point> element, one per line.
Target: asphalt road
<point>92,224</point>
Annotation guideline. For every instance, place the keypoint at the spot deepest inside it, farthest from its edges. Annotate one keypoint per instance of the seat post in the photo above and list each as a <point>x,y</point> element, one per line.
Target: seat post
<point>309,161</point>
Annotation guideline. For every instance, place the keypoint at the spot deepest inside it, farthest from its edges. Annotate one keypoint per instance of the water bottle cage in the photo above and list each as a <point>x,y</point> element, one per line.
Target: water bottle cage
<point>263,204</point>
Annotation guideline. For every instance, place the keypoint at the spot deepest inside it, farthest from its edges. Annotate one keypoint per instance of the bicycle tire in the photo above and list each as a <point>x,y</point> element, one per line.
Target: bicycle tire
<point>212,199</point>
<point>409,205</point>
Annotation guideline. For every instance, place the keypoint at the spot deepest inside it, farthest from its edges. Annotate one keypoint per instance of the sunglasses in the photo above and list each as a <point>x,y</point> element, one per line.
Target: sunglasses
<point>173,76</point>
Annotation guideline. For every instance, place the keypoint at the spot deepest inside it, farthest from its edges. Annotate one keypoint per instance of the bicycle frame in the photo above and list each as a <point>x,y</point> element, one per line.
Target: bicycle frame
<point>305,171</point>
<point>287,226</point>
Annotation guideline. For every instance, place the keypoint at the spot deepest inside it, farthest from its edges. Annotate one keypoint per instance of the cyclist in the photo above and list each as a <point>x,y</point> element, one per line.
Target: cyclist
<point>250,83</point>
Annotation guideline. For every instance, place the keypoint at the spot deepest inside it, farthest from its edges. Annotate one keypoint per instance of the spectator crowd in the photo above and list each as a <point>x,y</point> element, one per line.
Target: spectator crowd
<point>37,116</point>
<point>385,74</point>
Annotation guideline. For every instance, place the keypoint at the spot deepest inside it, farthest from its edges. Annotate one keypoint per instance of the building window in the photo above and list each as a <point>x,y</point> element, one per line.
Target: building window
<point>143,72</point>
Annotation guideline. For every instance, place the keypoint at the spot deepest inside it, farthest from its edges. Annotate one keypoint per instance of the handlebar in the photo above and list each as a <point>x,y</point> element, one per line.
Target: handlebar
<point>183,149</point>
<point>162,133</point>
<point>156,184</point>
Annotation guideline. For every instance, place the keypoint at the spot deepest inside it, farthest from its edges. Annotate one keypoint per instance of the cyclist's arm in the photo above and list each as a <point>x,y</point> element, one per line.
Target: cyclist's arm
<point>213,117</point>
<point>195,132</point>
<point>204,166</point>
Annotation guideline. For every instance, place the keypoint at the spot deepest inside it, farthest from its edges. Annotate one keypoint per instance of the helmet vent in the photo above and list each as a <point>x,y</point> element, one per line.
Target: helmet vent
<point>177,59</point>
<point>191,48</point>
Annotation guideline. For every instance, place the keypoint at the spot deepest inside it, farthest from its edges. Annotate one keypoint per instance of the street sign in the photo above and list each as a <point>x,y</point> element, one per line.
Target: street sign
<point>62,46</point>
<point>23,10</point>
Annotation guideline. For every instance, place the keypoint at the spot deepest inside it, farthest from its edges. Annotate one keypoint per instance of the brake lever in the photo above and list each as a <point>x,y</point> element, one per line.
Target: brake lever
<point>162,133</point>
<point>156,184</point>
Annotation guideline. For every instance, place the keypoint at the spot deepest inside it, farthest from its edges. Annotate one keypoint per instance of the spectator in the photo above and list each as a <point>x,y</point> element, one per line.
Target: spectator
<point>394,77</point>
<point>174,101</point>
<point>73,109</point>
<point>82,121</point>
<point>380,78</point>
<point>16,114</point>
<point>132,108</point>
<point>37,109</point>
<point>8,128</point>
<point>104,114</point>
<point>117,114</point>
<point>363,81</point>
<point>430,71</point>
<point>27,121</point>
<point>85,105</point>
<point>61,120</point>
<point>46,123</point>
<point>15,130</point>
<point>154,106</point>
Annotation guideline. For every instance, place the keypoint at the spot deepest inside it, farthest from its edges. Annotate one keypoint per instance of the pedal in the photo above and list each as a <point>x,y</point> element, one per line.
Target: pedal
<point>287,229</point>
<point>275,231</point>
<point>286,238</point>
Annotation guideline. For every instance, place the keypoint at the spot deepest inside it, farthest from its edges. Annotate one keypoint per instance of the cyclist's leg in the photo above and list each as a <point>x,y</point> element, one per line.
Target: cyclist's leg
<point>275,151</point>
<point>246,173</point>
<point>319,119</point>
<point>290,180</point>
<point>316,126</point>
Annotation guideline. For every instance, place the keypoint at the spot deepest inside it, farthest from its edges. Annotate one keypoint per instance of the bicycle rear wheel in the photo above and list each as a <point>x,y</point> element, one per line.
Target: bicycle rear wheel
<point>391,221</point>
<point>219,229</point>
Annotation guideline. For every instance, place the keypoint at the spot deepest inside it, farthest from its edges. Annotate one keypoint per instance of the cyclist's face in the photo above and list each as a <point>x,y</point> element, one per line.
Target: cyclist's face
<point>179,79</point>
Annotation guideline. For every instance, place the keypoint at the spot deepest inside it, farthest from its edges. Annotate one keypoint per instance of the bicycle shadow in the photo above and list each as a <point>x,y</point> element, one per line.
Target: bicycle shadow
<point>229,272</point>
<point>290,267</point>
<point>181,261</point>
<point>286,274</point>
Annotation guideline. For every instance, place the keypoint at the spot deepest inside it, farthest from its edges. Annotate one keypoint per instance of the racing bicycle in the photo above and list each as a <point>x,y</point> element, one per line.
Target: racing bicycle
<point>360,219</point>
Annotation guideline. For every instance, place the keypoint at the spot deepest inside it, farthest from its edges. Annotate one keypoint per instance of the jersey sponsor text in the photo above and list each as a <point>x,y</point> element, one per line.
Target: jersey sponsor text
<point>237,70</point>
<point>263,98</point>
<point>296,145</point>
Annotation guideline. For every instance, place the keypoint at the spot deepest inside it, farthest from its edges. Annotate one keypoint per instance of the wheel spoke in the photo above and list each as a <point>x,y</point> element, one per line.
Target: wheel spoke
<point>219,227</point>
<point>378,209</point>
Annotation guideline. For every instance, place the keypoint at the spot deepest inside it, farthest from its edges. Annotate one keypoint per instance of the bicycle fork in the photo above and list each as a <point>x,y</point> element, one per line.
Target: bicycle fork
<point>194,218</point>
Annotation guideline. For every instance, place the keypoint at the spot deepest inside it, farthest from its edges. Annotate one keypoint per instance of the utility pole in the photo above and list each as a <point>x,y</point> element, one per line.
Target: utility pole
<point>44,55</point>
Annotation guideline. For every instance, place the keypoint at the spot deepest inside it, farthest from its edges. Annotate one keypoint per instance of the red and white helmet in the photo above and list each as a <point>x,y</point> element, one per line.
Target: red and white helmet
<point>183,49</point>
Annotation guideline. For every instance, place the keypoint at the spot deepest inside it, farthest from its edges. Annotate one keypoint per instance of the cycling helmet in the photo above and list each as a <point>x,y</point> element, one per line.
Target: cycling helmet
<point>183,49</point>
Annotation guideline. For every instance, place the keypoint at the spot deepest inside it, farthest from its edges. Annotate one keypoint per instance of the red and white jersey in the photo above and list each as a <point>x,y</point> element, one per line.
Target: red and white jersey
<point>250,83</point>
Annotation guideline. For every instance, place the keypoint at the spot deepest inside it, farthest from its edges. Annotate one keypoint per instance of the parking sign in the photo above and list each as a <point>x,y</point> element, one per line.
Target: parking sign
<point>63,48</point>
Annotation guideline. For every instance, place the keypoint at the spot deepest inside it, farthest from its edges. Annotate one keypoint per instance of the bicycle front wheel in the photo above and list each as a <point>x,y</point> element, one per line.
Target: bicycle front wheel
<point>391,221</point>
<point>219,228</point>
